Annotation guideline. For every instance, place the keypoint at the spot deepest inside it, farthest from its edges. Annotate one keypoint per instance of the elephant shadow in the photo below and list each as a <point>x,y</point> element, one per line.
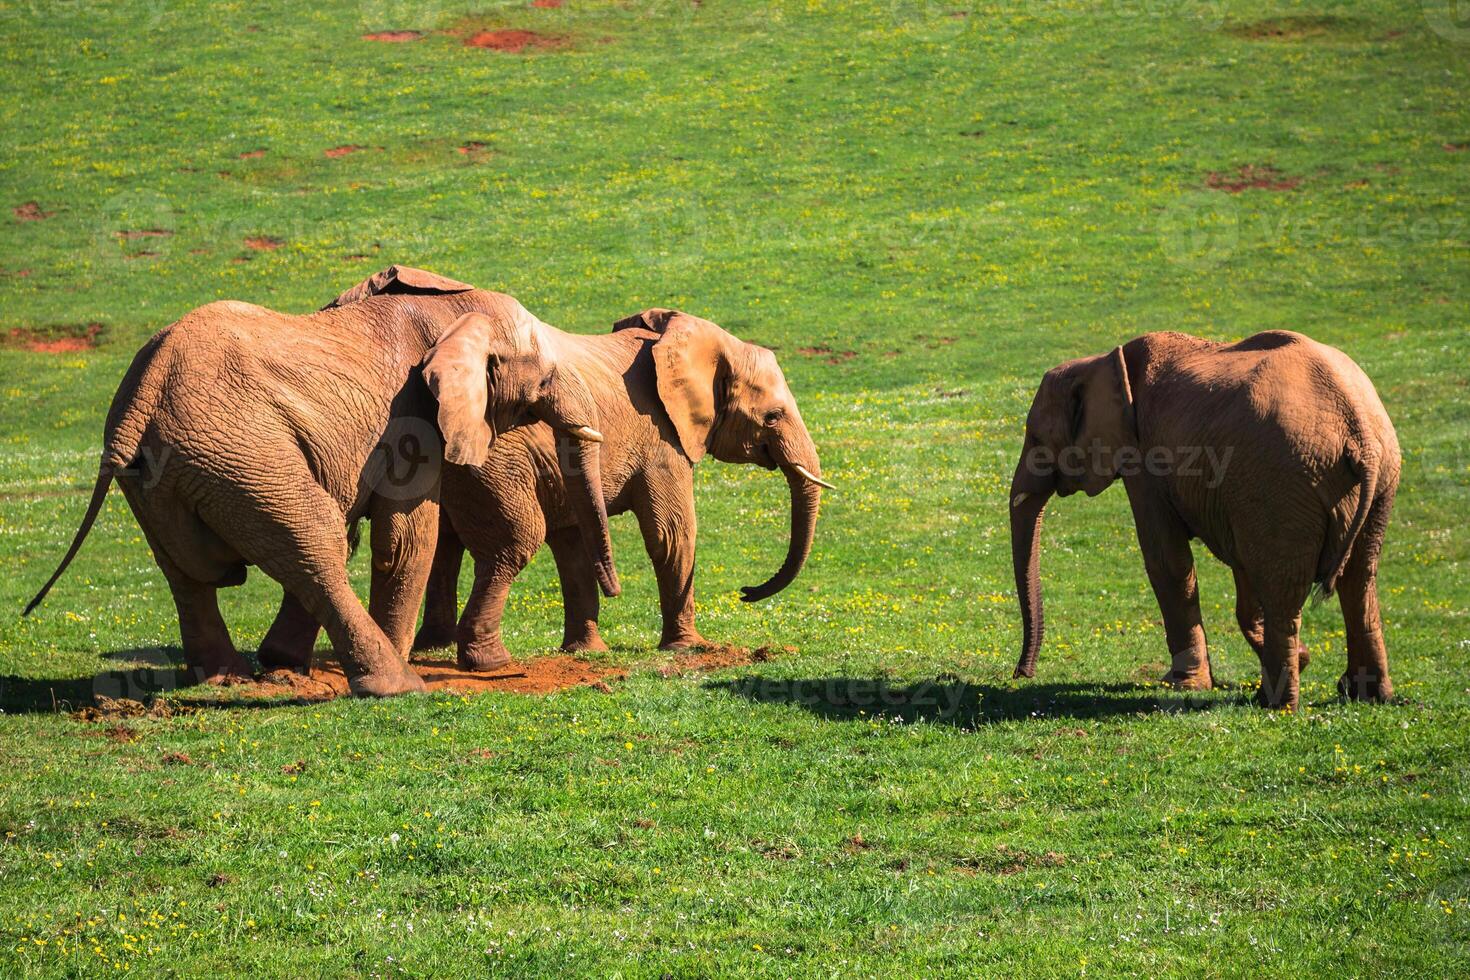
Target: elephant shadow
<point>949,700</point>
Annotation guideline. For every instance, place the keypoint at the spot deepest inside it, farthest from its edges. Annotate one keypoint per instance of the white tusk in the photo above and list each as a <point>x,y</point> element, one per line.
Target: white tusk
<point>1019,499</point>
<point>585,432</point>
<point>815,479</point>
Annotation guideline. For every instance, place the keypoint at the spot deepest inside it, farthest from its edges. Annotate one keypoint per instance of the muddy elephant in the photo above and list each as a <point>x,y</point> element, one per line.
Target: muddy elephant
<point>670,388</point>
<point>242,436</point>
<point>1275,452</point>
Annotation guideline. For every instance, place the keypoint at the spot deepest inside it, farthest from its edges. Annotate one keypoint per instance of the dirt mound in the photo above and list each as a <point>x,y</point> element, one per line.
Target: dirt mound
<point>31,211</point>
<point>546,4</point>
<point>717,656</point>
<point>393,37</point>
<point>264,243</point>
<point>539,675</point>
<point>1251,176</point>
<point>112,709</point>
<point>513,41</point>
<point>343,150</point>
<point>65,339</point>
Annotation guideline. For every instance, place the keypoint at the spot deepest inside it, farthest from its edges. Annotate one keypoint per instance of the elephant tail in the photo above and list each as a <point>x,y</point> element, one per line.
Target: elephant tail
<point>99,495</point>
<point>1363,457</point>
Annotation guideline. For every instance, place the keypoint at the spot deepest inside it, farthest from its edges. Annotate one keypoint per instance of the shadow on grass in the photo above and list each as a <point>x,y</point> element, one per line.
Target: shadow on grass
<point>948,700</point>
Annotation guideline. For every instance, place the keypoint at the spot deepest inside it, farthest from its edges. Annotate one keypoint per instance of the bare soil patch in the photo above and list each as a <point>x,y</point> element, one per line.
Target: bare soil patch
<point>1251,176</point>
<point>539,675</point>
<point>1305,27</point>
<point>263,243</point>
<point>132,235</point>
<point>1456,147</point>
<point>546,4</point>
<point>513,41</point>
<point>252,154</point>
<point>393,37</point>
<point>112,709</point>
<point>716,656</point>
<point>827,353</point>
<point>343,150</point>
<point>64,339</point>
<point>31,211</point>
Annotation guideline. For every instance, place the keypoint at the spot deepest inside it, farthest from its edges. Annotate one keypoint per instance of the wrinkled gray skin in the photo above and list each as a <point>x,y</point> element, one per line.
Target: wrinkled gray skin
<point>242,436</point>
<point>1274,451</point>
<point>670,388</point>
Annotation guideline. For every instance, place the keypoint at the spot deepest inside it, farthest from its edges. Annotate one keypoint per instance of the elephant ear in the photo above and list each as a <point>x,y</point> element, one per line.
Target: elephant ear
<point>399,280</point>
<point>1102,404</point>
<point>457,372</point>
<point>693,368</point>
<point>654,318</point>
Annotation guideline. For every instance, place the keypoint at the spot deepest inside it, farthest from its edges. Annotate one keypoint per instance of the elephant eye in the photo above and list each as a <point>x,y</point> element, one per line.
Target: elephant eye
<point>773,416</point>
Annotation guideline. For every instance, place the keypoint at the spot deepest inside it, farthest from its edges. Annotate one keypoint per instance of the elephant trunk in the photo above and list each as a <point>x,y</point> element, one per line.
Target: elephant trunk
<point>796,454</point>
<point>1028,498</point>
<point>581,463</point>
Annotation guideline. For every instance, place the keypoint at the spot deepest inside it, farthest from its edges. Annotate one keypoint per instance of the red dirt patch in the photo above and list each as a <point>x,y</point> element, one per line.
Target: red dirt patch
<point>263,243</point>
<point>1251,176</point>
<point>66,339</point>
<point>513,41</point>
<point>823,351</point>
<point>393,37</point>
<point>472,148</point>
<point>342,151</point>
<point>716,656</point>
<point>540,675</point>
<point>1456,147</point>
<point>252,154</point>
<point>546,4</point>
<point>177,759</point>
<point>1299,28</point>
<point>133,235</point>
<point>31,211</point>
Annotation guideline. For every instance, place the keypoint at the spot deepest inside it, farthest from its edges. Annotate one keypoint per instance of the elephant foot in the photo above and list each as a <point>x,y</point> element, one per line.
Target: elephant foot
<point>1190,672</point>
<point>387,682</point>
<point>433,637</point>
<point>480,658</point>
<point>223,677</point>
<point>683,641</point>
<point>1365,685</point>
<point>584,643</point>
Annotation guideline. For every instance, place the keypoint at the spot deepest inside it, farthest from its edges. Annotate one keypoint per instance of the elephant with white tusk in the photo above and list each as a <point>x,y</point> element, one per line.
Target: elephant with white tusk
<point>242,436</point>
<point>669,389</point>
<point>1274,451</point>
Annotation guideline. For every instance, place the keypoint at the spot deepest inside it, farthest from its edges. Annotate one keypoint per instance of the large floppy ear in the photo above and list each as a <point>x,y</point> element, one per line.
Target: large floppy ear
<point>693,368</point>
<point>457,372</point>
<point>1102,408</point>
<point>655,318</point>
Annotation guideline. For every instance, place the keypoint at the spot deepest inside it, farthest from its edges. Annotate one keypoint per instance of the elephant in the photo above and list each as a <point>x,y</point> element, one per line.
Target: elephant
<point>243,436</point>
<point>670,388</point>
<point>1274,451</point>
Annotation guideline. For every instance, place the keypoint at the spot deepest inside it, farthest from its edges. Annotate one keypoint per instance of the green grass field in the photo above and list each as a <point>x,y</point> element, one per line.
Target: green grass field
<point>921,212</point>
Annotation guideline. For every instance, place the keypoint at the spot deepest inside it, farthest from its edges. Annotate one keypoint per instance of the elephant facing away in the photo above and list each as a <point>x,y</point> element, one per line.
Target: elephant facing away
<point>1275,452</point>
<point>670,388</point>
<point>242,436</point>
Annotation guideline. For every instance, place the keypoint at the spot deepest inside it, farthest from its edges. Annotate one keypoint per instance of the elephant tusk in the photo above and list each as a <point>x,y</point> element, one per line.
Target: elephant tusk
<point>808,475</point>
<point>585,432</point>
<point>1019,499</point>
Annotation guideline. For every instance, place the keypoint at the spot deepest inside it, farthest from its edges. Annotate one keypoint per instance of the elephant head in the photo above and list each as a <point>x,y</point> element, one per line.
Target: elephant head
<point>1080,419</point>
<point>729,399</point>
<point>492,371</point>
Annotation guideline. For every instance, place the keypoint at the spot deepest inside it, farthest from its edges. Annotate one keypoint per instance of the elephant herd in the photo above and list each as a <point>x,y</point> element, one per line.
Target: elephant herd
<point>453,419</point>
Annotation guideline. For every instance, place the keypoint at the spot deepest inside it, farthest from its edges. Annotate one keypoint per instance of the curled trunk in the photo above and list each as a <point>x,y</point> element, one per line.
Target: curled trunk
<point>806,499</point>
<point>581,463</point>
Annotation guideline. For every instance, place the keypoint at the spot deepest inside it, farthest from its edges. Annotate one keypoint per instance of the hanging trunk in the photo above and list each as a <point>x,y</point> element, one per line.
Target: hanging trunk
<point>1027,504</point>
<point>582,472</point>
<point>806,499</point>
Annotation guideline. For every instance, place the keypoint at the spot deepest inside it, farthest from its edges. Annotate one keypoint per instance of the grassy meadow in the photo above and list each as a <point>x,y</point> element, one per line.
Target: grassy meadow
<point>921,206</point>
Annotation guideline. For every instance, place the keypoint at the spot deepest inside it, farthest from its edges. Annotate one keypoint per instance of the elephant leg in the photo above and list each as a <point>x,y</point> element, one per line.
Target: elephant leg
<point>403,533</point>
<point>292,637</point>
<point>208,651</point>
<point>1280,670</point>
<point>480,646</point>
<point>441,601</point>
<point>579,594</point>
<point>298,538</point>
<point>1252,620</point>
<point>668,535</point>
<point>1170,566</point>
<point>1366,678</point>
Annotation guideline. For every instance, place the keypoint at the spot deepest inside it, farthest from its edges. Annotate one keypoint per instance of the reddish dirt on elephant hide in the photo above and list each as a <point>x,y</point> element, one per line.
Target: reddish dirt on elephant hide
<point>513,41</point>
